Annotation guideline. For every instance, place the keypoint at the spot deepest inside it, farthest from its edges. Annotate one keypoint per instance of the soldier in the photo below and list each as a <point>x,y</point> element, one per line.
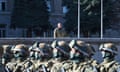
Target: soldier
<point>109,51</point>
<point>8,55</point>
<point>40,54</point>
<point>60,55</point>
<point>21,64</point>
<point>80,57</point>
<point>2,66</point>
<point>59,31</point>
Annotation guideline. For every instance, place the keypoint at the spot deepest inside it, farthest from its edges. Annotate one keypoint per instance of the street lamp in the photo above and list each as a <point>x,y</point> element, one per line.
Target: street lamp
<point>101,19</point>
<point>78,18</point>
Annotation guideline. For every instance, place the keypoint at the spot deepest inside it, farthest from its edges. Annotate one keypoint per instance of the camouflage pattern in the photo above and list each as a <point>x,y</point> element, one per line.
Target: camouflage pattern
<point>40,53</point>
<point>21,64</point>
<point>109,50</point>
<point>40,57</point>
<point>85,64</point>
<point>111,66</point>
<point>2,66</point>
<point>7,55</point>
<point>62,48</point>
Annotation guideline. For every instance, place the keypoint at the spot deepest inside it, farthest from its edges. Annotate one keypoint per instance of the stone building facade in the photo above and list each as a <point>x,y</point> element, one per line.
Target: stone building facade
<point>6,6</point>
<point>57,12</point>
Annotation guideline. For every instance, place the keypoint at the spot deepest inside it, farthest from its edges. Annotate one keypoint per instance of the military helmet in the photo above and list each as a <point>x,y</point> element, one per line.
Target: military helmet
<point>39,46</point>
<point>81,46</point>
<point>40,50</point>
<point>44,48</point>
<point>109,47</point>
<point>61,46</point>
<point>76,43</point>
<point>21,48</point>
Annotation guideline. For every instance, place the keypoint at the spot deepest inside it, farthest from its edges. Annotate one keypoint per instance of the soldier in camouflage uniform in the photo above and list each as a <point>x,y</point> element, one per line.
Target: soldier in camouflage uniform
<point>40,54</point>
<point>60,55</point>
<point>7,55</point>
<point>80,57</point>
<point>20,64</point>
<point>2,66</point>
<point>109,51</point>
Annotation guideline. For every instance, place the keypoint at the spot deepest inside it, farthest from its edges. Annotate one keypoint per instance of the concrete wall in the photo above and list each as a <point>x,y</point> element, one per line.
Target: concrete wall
<point>94,41</point>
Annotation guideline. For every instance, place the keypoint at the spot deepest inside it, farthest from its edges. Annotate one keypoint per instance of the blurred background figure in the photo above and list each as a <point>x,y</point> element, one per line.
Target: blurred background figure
<point>59,31</point>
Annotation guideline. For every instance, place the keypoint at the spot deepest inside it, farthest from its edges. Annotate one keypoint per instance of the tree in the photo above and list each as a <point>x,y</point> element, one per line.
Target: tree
<point>111,10</point>
<point>90,16</point>
<point>31,14</point>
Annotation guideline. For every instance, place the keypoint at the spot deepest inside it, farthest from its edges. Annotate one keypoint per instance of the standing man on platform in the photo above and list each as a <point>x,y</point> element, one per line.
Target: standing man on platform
<point>59,31</point>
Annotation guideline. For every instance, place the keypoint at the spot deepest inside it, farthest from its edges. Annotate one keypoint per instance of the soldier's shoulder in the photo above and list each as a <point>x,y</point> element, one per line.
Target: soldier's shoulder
<point>93,62</point>
<point>55,29</point>
<point>67,64</point>
<point>11,64</point>
<point>110,64</point>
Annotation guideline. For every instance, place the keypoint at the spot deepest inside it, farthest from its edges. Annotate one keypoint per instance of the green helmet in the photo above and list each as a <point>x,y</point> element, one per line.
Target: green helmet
<point>45,49</point>
<point>62,47</point>
<point>82,47</point>
<point>76,43</point>
<point>40,51</point>
<point>21,49</point>
<point>109,47</point>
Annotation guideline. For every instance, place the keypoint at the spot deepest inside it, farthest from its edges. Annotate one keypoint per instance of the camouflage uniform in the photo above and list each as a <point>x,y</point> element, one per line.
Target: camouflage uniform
<point>60,55</point>
<point>81,60</point>
<point>7,55</point>
<point>40,54</point>
<point>2,66</point>
<point>21,63</point>
<point>109,50</point>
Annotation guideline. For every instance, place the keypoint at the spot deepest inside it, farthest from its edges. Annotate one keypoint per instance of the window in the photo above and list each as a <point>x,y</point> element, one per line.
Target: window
<point>2,33</point>
<point>2,6</point>
<point>2,30</point>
